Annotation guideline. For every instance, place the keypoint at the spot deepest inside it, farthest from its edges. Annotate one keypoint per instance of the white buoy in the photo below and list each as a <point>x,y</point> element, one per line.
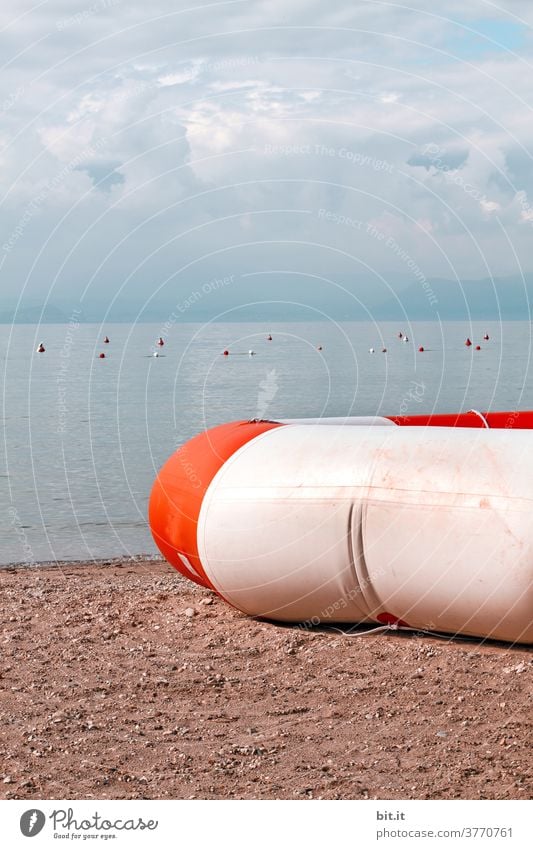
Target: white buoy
<point>251,353</point>
<point>371,351</point>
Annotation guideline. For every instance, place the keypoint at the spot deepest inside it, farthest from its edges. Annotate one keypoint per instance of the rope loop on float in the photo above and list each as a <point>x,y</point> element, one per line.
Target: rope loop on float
<point>390,627</point>
<point>482,417</point>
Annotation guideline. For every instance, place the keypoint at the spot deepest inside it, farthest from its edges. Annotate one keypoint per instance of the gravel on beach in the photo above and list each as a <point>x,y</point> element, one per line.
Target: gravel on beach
<point>121,680</point>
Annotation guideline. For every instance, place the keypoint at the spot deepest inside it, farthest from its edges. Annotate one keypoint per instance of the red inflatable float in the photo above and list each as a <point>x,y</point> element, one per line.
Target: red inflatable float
<point>405,520</point>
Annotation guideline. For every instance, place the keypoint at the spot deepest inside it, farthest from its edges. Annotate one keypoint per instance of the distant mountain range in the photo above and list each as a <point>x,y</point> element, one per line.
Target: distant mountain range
<point>508,299</point>
<point>297,299</point>
<point>32,315</point>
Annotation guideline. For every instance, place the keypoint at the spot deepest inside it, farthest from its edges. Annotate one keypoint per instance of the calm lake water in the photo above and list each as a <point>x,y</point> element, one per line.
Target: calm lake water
<point>84,437</point>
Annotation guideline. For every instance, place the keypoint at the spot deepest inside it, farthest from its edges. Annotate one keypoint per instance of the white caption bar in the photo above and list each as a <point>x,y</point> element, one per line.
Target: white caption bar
<point>267,824</point>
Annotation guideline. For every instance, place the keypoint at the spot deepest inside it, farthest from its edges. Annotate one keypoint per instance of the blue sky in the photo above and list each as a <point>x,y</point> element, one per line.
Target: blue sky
<point>472,38</point>
<point>146,148</point>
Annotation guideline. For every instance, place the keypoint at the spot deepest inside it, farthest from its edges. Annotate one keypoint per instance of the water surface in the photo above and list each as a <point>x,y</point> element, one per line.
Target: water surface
<point>84,437</point>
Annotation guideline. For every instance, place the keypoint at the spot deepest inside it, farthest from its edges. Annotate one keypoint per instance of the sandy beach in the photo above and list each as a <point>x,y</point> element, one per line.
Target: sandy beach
<point>122,680</point>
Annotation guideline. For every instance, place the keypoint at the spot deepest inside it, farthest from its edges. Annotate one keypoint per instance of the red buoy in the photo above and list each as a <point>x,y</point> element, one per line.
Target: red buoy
<point>486,337</point>
<point>478,347</point>
<point>269,338</point>
<point>106,340</point>
<point>468,343</point>
<point>383,350</point>
<point>421,349</point>
<point>41,349</point>
<point>101,356</point>
<point>160,341</point>
<point>225,353</point>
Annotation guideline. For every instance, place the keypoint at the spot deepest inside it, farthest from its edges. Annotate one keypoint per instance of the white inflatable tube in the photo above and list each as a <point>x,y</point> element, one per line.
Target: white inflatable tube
<point>348,421</point>
<point>431,528</point>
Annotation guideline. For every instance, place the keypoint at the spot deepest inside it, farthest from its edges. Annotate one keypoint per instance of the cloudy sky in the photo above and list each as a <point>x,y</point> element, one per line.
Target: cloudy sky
<point>147,148</point>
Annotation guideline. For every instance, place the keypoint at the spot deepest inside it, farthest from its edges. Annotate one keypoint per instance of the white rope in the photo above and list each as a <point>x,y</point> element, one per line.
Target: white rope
<point>391,627</point>
<point>482,417</point>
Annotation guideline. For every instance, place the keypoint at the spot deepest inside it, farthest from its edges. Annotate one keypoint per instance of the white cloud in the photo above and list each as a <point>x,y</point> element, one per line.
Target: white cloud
<point>489,206</point>
<point>185,100</point>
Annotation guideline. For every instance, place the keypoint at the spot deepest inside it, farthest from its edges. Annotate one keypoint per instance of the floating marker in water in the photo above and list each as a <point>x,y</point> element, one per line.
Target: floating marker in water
<point>251,353</point>
<point>269,337</point>
<point>383,350</point>
<point>478,347</point>
<point>486,337</point>
<point>225,353</point>
<point>319,347</point>
<point>371,351</point>
<point>101,356</point>
<point>405,339</point>
<point>106,340</point>
<point>468,343</point>
<point>421,349</point>
<point>160,341</point>
<point>41,349</point>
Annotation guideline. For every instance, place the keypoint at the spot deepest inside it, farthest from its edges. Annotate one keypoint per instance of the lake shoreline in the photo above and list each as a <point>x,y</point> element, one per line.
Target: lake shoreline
<point>24,565</point>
